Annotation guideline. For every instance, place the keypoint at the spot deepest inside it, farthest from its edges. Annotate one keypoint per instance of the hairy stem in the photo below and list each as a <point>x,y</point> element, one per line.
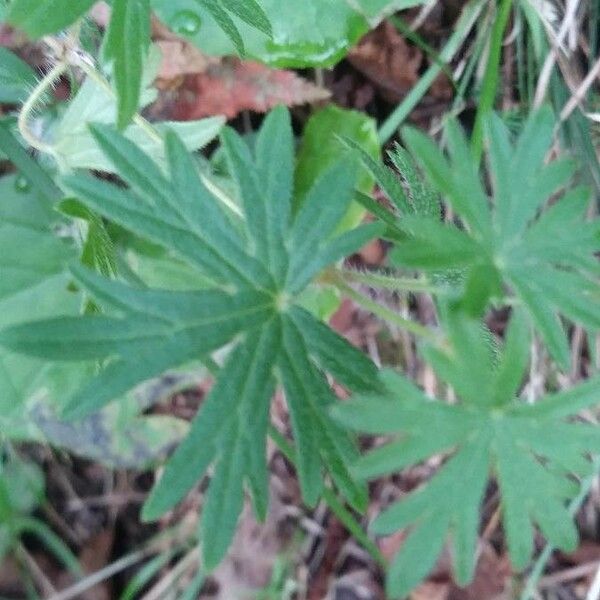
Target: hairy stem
<point>383,312</point>
<point>388,282</point>
<point>31,104</point>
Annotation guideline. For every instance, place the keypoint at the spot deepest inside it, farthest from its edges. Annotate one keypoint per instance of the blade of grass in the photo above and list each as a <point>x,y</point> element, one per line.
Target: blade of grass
<point>461,31</point>
<point>418,41</point>
<point>491,77</point>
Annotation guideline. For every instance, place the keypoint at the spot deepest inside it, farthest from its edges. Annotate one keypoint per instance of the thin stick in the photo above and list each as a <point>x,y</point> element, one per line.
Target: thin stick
<point>388,282</point>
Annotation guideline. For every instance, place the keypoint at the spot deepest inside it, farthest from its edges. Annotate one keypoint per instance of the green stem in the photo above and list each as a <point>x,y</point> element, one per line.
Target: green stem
<point>461,31</point>
<point>417,40</point>
<point>489,87</point>
<point>382,312</point>
<point>388,282</point>
<point>345,517</point>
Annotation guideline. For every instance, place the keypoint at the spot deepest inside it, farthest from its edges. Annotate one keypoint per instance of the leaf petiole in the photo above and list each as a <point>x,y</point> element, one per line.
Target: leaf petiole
<point>388,282</point>
<point>381,311</point>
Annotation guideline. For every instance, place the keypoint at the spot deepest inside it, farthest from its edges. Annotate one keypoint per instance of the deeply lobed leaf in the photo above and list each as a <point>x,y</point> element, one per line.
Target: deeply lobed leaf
<point>505,244</point>
<point>533,451</point>
<point>258,267</point>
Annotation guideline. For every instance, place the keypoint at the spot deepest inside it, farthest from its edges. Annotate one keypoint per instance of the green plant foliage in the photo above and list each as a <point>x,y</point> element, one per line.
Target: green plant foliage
<point>75,147</point>
<point>532,451</point>
<point>42,17</point>
<point>258,269</point>
<point>34,273</point>
<point>21,492</point>
<point>126,45</point>
<point>320,149</point>
<point>128,35</point>
<point>504,244</point>
<point>407,191</point>
<point>16,77</point>
<point>306,34</point>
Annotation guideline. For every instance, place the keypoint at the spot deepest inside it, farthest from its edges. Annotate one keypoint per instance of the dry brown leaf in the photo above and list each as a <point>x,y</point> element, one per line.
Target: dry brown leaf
<point>491,581</point>
<point>180,58</point>
<point>384,57</point>
<point>249,562</point>
<point>94,556</point>
<point>430,591</point>
<point>393,65</point>
<point>230,86</point>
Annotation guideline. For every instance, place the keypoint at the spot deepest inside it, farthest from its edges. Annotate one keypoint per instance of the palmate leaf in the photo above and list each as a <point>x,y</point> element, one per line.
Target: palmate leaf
<point>532,451</point>
<point>504,244</point>
<point>258,267</point>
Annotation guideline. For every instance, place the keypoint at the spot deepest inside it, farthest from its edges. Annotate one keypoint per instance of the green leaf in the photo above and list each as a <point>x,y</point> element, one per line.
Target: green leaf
<point>385,178</point>
<point>314,33</point>
<point>320,149</point>
<point>251,13</point>
<point>348,364</point>
<point>32,392</point>
<point>98,250</point>
<point>319,441</point>
<point>17,78</point>
<point>531,450</point>
<point>76,148</point>
<point>127,41</point>
<point>252,284</point>
<point>225,22</point>
<point>42,17</point>
<point>423,199</point>
<point>503,243</point>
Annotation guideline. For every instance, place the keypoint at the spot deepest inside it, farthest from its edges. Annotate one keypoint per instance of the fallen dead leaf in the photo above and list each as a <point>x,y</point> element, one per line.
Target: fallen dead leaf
<point>95,556</point>
<point>393,65</point>
<point>491,581</point>
<point>430,591</point>
<point>385,58</point>
<point>180,58</point>
<point>230,86</point>
<point>249,563</point>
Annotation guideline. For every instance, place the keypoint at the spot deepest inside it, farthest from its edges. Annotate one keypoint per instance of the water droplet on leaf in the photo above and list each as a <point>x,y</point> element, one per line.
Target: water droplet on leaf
<point>185,22</point>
